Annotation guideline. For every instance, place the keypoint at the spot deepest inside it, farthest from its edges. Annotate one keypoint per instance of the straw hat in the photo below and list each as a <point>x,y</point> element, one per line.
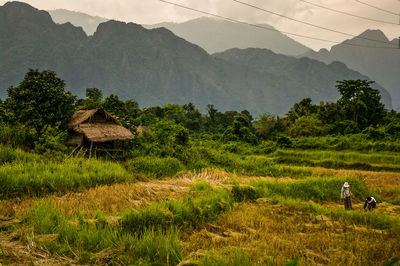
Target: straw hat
<point>346,184</point>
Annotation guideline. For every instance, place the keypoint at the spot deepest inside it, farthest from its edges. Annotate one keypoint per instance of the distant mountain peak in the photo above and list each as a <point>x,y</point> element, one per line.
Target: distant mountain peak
<point>374,35</point>
<point>19,5</point>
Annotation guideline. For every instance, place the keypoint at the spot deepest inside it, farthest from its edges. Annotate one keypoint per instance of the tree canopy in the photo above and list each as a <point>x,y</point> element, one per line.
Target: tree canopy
<point>40,101</point>
<point>361,103</point>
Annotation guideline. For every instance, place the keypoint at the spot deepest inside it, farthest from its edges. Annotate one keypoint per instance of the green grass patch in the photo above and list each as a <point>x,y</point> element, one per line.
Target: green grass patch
<point>85,240</point>
<point>41,178</point>
<point>186,212</point>
<point>10,155</point>
<point>248,164</point>
<point>349,156</point>
<point>147,236</point>
<point>316,189</point>
<point>339,160</point>
<point>155,167</point>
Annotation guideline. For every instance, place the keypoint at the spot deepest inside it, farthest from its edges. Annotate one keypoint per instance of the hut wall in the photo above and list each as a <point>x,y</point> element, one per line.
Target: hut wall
<point>98,118</point>
<point>74,139</point>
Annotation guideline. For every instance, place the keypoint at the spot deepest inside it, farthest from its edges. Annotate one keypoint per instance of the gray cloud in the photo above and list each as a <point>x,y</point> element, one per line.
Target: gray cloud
<point>154,11</point>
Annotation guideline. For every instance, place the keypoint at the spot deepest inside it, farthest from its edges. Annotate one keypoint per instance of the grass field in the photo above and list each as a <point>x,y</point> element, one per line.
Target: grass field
<point>222,209</point>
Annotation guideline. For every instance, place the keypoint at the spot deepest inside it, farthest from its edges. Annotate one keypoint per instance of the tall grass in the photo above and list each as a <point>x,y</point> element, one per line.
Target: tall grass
<point>149,235</point>
<point>84,240</point>
<point>186,212</point>
<point>351,156</point>
<point>356,142</point>
<point>9,155</point>
<point>155,167</point>
<point>317,189</point>
<point>340,160</point>
<point>41,178</point>
<point>249,165</point>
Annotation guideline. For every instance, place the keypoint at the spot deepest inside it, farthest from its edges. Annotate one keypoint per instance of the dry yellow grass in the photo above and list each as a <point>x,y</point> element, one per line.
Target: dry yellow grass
<point>262,230</point>
<point>119,197</point>
<point>107,199</point>
<point>27,253</point>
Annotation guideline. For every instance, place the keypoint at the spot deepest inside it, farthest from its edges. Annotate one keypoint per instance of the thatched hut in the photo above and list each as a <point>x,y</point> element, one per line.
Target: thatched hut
<point>95,126</point>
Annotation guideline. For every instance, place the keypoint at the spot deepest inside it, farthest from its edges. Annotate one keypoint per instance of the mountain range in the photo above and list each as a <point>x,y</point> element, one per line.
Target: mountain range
<point>213,35</point>
<point>380,64</point>
<point>216,35</point>
<point>154,66</point>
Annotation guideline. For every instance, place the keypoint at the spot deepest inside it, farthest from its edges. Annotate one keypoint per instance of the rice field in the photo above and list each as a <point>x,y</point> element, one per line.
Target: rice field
<point>242,210</point>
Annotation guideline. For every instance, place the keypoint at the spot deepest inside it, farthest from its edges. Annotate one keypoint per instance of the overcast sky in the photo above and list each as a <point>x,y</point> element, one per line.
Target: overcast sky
<point>154,11</point>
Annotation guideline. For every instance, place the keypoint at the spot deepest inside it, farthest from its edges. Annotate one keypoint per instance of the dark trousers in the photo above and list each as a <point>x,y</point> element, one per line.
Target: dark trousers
<point>347,203</point>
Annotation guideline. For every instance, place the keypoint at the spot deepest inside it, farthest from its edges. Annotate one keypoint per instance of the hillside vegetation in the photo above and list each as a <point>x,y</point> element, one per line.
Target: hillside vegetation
<point>199,189</point>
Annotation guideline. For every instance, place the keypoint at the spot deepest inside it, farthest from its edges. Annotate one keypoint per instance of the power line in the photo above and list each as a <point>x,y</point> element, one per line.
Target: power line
<point>348,14</point>
<point>378,8</point>
<point>272,29</point>
<point>307,23</point>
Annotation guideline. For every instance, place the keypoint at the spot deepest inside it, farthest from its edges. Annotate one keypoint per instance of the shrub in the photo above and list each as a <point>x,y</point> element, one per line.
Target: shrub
<point>267,147</point>
<point>242,193</point>
<point>17,136</point>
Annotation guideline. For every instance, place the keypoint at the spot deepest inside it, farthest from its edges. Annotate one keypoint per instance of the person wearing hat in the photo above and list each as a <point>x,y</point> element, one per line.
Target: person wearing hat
<point>371,202</point>
<point>346,196</point>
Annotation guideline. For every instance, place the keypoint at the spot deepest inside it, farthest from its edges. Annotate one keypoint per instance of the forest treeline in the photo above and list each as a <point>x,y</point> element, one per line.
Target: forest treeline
<point>34,113</point>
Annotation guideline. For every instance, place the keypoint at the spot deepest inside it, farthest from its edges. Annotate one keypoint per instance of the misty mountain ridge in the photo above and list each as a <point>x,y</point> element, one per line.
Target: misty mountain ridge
<point>87,22</point>
<point>216,35</point>
<point>155,67</point>
<point>213,35</point>
<point>381,65</point>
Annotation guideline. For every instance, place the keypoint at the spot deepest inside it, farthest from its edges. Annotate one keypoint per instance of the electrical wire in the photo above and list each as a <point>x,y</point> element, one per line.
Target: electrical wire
<point>348,14</point>
<point>378,8</point>
<point>307,23</point>
<point>272,29</point>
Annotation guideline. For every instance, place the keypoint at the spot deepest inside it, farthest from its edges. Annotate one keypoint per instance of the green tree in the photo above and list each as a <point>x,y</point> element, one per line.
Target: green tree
<point>267,126</point>
<point>40,101</point>
<point>194,119</point>
<point>329,113</point>
<point>361,103</point>
<point>240,130</point>
<point>126,112</point>
<point>94,94</point>
<point>306,126</point>
<point>302,108</point>
<point>174,112</point>
<point>2,112</point>
<point>94,98</point>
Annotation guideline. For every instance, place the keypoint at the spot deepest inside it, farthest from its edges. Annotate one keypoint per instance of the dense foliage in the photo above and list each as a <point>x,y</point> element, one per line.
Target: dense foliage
<point>34,113</point>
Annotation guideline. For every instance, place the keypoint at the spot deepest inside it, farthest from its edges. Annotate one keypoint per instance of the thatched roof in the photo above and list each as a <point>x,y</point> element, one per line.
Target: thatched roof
<point>94,129</point>
<point>83,116</point>
<point>104,132</point>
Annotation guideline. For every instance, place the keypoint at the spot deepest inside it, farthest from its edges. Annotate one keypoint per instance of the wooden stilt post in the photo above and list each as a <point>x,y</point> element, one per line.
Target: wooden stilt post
<point>73,151</point>
<point>90,152</point>
<point>77,154</point>
<point>110,154</point>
